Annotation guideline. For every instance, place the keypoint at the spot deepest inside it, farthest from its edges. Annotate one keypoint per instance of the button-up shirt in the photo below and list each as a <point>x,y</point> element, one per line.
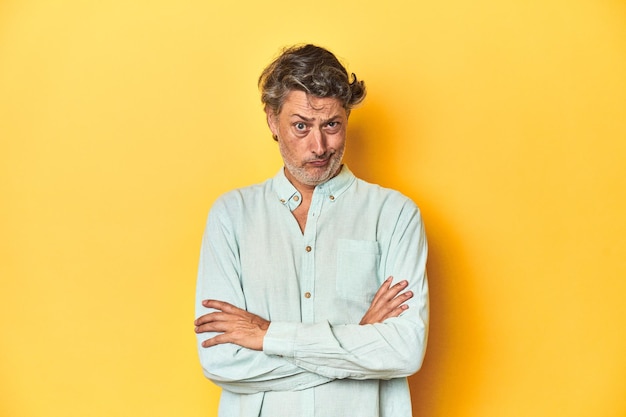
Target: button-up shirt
<point>314,287</point>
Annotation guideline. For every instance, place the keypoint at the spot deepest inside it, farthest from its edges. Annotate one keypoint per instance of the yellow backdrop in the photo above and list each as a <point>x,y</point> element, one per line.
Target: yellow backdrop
<point>121,122</point>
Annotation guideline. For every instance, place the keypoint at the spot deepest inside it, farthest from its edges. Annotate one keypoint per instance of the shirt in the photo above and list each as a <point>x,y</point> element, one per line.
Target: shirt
<point>314,287</point>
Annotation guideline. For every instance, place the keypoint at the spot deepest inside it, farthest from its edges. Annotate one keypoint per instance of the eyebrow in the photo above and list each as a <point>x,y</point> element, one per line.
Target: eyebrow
<point>311,119</point>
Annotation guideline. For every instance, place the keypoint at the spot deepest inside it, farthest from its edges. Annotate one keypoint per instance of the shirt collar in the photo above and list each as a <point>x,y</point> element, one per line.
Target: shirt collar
<point>333,188</point>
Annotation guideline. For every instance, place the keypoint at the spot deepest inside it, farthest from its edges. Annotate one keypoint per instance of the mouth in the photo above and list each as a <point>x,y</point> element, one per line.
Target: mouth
<point>321,160</point>
<point>318,162</point>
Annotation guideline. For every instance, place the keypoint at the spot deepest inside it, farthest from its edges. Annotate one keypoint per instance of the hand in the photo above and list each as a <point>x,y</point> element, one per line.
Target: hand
<point>387,303</point>
<point>236,326</point>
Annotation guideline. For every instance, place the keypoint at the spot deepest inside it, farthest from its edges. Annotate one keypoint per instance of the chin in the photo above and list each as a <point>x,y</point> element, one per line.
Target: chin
<point>314,177</point>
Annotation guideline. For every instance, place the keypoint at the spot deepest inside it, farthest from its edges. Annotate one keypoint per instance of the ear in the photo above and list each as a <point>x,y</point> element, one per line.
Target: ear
<point>272,121</point>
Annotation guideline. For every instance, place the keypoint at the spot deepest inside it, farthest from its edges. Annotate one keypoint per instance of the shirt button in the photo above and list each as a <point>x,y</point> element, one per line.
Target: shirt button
<point>296,198</point>
<point>308,249</point>
<point>307,295</point>
<point>282,200</point>
<point>332,198</point>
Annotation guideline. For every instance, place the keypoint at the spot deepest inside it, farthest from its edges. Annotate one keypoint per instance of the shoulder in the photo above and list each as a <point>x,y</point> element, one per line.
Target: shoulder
<point>237,199</point>
<point>386,197</point>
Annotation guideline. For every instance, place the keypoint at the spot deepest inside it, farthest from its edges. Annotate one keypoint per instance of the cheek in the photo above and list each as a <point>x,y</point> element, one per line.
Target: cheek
<point>337,141</point>
<point>289,150</point>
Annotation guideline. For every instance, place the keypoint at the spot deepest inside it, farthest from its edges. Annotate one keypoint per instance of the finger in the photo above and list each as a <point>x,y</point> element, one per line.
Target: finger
<point>390,293</point>
<point>217,304</point>
<point>221,323</point>
<point>206,318</point>
<point>217,340</point>
<point>226,308</point>
<point>400,300</point>
<point>397,311</point>
<point>203,319</point>
<point>215,316</point>
<point>393,307</point>
<point>395,290</point>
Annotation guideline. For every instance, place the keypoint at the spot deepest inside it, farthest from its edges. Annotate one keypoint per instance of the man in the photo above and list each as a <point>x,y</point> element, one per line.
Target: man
<point>312,297</point>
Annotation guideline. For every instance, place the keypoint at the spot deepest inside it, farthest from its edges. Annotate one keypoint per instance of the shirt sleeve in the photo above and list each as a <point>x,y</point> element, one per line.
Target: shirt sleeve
<point>392,349</point>
<point>229,366</point>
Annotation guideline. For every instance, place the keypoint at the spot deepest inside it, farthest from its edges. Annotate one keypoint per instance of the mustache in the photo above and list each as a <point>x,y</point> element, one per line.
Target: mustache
<point>321,157</point>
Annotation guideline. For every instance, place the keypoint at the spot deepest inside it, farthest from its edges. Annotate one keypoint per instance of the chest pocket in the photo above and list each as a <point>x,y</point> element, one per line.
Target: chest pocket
<point>358,262</point>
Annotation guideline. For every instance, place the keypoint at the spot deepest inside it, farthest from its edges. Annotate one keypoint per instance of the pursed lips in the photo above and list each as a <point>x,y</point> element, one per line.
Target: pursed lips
<point>318,162</point>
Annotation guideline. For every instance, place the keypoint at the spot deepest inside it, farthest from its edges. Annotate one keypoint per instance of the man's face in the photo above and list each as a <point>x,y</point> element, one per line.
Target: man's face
<point>311,135</point>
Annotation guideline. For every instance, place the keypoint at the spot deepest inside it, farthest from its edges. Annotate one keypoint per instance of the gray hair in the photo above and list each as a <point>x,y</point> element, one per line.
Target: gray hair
<point>311,69</point>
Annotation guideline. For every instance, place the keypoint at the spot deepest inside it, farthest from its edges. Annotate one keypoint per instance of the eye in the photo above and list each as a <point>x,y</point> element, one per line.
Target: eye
<point>333,126</point>
<point>300,126</point>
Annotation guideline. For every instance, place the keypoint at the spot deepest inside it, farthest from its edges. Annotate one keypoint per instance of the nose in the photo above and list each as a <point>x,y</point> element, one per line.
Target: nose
<point>318,142</point>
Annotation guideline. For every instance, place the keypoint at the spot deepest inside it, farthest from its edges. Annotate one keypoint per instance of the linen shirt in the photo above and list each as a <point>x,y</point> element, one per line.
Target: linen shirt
<point>314,287</point>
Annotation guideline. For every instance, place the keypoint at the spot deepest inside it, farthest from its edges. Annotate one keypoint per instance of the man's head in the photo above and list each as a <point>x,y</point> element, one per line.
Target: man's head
<point>313,70</point>
<point>308,97</point>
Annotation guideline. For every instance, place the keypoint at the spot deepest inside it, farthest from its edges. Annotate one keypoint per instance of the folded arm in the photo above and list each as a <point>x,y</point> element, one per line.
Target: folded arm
<point>242,328</point>
<point>232,326</point>
<point>230,366</point>
<point>299,355</point>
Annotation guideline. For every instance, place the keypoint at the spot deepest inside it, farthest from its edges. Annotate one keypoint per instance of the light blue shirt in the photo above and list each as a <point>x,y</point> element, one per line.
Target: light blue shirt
<point>314,288</point>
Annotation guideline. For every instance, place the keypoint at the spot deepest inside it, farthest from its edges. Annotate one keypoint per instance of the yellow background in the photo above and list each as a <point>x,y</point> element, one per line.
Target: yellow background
<point>121,121</point>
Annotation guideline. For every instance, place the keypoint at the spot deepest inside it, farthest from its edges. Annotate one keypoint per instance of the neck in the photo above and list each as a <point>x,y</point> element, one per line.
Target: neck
<point>305,189</point>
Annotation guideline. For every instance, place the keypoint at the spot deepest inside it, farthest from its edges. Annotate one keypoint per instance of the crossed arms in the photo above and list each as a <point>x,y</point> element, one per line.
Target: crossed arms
<point>247,330</point>
<point>246,353</point>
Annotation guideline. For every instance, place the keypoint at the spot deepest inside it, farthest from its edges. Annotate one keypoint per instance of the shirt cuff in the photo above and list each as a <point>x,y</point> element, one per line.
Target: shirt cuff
<point>280,339</point>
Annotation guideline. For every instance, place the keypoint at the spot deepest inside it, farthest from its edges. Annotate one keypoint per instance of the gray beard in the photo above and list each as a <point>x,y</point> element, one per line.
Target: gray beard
<point>304,177</point>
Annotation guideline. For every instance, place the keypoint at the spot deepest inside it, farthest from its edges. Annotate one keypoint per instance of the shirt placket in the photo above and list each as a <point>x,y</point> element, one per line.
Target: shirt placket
<point>308,260</point>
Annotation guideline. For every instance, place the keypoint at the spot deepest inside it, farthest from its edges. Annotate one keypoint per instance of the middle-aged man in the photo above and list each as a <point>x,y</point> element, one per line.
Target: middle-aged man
<point>312,297</point>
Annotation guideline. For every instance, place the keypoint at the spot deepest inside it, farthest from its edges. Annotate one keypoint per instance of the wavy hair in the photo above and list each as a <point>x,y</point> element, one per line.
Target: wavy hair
<point>311,69</point>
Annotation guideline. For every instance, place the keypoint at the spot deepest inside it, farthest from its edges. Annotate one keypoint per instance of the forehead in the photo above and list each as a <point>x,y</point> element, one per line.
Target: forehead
<point>303,104</point>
